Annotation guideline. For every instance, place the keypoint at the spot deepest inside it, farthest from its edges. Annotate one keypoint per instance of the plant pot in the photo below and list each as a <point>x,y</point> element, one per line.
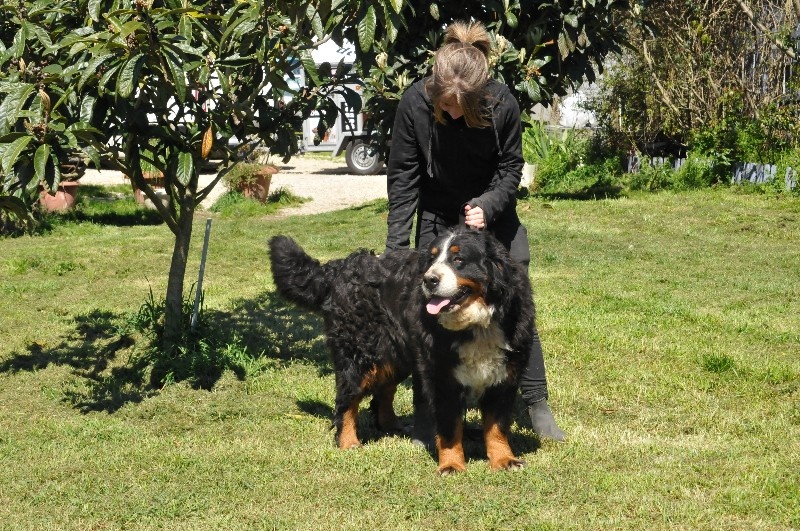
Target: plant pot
<point>63,199</point>
<point>156,181</point>
<point>258,187</point>
<point>528,174</point>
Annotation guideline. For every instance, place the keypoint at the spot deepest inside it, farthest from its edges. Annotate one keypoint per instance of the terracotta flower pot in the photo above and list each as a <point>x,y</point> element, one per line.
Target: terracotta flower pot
<point>156,181</point>
<point>258,187</point>
<point>63,199</point>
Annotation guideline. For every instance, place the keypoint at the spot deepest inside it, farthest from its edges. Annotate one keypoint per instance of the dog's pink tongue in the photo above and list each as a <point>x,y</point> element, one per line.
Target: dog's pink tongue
<point>436,304</point>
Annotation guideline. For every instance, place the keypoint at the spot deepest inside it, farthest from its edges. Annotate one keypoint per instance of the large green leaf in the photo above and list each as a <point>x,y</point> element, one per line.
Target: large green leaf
<point>12,105</point>
<point>185,168</point>
<point>40,160</point>
<point>95,7</point>
<point>18,44</point>
<point>178,78</point>
<point>310,66</point>
<point>91,67</point>
<point>316,22</point>
<point>128,78</point>
<point>11,153</point>
<point>397,5</point>
<point>40,33</point>
<point>366,29</point>
<point>104,83</point>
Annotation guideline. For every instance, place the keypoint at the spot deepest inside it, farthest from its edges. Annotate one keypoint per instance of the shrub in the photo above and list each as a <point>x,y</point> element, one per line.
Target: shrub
<point>553,155</point>
<point>696,172</point>
<point>651,178</point>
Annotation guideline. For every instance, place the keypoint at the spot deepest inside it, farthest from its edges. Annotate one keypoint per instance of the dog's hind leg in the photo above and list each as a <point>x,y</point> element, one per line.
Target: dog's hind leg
<point>382,406</point>
<point>346,421</point>
<point>345,415</point>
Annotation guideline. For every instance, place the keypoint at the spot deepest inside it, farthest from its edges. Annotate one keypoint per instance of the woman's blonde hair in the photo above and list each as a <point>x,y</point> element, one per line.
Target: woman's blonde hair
<point>460,71</point>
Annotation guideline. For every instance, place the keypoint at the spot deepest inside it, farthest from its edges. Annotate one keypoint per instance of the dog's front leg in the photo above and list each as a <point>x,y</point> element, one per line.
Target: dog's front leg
<point>424,431</point>
<point>496,406</point>
<point>450,429</point>
<point>451,450</point>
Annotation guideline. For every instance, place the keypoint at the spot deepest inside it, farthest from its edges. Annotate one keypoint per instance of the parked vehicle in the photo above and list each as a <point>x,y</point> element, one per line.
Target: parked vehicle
<point>346,135</point>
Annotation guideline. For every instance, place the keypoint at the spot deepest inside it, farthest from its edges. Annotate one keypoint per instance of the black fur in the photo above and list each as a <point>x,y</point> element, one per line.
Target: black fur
<point>379,332</point>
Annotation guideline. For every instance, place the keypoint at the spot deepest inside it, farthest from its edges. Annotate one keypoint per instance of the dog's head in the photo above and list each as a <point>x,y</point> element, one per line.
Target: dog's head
<point>467,276</point>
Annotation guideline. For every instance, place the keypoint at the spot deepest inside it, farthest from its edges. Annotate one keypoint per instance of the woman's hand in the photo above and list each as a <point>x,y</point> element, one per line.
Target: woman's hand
<point>474,217</point>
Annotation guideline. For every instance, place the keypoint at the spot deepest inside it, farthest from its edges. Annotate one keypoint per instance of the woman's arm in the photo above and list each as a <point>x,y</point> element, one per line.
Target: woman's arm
<point>503,188</point>
<point>403,176</point>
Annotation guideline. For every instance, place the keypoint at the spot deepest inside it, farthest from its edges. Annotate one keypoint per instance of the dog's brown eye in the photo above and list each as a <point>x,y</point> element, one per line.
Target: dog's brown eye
<point>458,260</point>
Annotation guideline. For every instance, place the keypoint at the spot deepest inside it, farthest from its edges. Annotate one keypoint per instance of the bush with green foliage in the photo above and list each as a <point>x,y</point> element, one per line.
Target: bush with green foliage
<point>696,172</point>
<point>233,204</point>
<point>565,163</point>
<point>551,152</point>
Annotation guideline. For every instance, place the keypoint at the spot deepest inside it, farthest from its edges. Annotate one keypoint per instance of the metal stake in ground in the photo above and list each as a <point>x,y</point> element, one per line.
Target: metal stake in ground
<point>200,275</point>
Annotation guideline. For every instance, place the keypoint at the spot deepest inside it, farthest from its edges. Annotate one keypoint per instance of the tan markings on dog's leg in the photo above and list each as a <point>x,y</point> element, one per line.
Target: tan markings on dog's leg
<point>451,453</point>
<point>387,420</point>
<point>348,438</point>
<point>501,457</point>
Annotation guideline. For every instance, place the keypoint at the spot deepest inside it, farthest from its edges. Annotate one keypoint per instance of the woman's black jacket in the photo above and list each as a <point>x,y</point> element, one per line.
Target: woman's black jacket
<point>438,168</point>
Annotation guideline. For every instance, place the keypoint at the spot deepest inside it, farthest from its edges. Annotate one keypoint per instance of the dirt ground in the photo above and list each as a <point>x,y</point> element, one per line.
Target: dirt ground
<point>326,182</point>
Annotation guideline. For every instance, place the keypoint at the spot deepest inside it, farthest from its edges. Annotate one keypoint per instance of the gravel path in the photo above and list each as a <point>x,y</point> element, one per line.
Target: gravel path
<point>328,184</point>
<point>325,182</point>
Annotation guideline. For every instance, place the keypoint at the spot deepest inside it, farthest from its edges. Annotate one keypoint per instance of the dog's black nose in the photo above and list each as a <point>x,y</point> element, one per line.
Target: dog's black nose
<point>431,280</point>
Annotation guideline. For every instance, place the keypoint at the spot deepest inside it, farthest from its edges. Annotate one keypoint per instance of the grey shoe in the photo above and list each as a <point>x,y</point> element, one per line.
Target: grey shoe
<point>543,422</point>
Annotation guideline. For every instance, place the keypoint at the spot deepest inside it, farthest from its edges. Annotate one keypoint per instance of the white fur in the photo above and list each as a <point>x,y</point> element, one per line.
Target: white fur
<point>445,249</point>
<point>448,282</point>
<point>476,314</point>
<point>483,360</point>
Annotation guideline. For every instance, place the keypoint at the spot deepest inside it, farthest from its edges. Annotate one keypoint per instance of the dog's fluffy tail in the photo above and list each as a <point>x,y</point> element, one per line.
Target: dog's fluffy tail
<point>299,278</point>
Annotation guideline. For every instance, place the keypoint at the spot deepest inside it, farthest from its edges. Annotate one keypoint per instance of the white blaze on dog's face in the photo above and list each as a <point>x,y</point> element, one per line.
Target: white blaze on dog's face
<point>454,284</point>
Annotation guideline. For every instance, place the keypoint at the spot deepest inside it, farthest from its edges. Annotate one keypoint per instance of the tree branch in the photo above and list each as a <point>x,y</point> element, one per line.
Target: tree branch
<point>664,93</point>
<point>766,31</point>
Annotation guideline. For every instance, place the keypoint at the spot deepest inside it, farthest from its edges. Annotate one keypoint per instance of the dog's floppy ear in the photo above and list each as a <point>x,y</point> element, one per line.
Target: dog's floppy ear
<point>499,268</point>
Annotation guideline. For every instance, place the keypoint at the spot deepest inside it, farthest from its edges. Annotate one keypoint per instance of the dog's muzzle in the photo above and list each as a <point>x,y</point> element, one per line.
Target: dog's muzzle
<point>443,292</point>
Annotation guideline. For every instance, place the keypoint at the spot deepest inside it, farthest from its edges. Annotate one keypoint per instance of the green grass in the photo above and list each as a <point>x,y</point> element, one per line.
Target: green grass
<point>235,205</point>
<point>671,328</point>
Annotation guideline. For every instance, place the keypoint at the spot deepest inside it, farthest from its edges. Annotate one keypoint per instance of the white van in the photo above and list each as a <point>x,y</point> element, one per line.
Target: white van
<point>347,133</point>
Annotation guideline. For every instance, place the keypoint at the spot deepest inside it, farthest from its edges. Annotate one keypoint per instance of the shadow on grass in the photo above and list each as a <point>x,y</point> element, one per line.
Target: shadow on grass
<point>136,217</point>
<point>116,367</point>
<point>91,350</point>
<point>268,326</point>
<point>102,206</point>
<point>521,441</point>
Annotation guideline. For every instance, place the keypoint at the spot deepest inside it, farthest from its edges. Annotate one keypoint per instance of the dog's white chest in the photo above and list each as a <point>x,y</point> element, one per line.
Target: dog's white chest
<point>483,360</point>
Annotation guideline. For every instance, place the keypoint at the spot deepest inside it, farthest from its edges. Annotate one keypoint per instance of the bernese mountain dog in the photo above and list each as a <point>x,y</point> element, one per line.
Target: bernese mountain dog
<point>458,317</point>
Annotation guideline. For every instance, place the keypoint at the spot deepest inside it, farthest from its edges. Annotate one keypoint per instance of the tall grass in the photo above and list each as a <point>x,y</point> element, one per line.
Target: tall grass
<point>670,325</point>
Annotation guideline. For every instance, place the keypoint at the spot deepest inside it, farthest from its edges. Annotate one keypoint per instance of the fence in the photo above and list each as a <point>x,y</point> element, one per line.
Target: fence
<point>743,172</point>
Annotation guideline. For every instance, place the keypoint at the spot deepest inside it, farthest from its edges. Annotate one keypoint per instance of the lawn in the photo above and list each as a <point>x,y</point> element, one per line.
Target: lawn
<point>671,329</point>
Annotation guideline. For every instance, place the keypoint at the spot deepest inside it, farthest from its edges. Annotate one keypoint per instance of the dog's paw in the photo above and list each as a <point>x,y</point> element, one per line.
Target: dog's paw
<point>447,470</point>
<point>511,463</point>
<point>348,443</point>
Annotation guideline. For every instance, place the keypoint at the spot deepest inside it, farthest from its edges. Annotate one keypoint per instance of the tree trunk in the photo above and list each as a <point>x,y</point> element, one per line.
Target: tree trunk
<point>173,325</point>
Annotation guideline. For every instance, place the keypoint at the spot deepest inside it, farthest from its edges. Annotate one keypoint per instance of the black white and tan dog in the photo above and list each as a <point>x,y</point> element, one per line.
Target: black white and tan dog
<point>458,317</point>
